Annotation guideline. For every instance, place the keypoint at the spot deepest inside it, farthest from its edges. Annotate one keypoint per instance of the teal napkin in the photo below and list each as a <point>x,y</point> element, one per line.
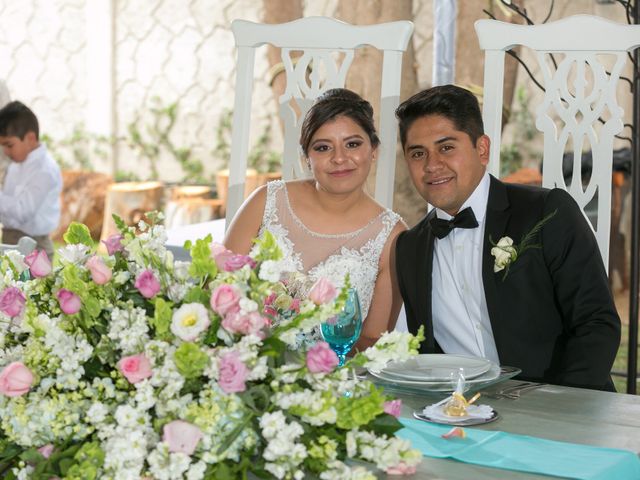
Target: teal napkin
<point>520,452</point>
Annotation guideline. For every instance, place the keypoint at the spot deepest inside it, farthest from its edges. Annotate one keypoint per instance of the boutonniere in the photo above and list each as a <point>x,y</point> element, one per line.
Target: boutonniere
<point>506,252</point>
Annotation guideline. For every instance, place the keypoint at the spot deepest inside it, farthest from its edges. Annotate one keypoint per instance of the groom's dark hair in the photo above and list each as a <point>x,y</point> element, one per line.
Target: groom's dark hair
<point>455,103</point>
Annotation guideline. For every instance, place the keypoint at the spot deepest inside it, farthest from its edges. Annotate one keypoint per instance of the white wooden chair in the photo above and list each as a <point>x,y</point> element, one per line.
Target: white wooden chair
<point>25,246</point>
<point>579,92</point>
<point>327,46</point>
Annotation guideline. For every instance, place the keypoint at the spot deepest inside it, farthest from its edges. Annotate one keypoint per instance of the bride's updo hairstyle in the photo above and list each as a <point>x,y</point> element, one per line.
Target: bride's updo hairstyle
<point>334,103</point>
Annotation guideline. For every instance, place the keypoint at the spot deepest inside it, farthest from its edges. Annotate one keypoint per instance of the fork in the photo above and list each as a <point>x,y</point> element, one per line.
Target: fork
<point>513,392</point>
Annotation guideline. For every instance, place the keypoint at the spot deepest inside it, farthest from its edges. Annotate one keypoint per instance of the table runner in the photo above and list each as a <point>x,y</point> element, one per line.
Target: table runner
<point>509,451</point>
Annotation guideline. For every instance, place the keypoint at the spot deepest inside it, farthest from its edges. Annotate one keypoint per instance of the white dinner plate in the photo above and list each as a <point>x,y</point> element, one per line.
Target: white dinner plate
<point>437,367</point>
<point>489,375</point>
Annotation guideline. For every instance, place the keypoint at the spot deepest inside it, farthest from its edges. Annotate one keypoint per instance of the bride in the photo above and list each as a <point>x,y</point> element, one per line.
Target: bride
<point>327,224</point>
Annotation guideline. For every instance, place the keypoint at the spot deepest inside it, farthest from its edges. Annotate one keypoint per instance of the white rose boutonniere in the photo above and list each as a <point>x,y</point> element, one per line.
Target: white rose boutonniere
<point>506,252</point>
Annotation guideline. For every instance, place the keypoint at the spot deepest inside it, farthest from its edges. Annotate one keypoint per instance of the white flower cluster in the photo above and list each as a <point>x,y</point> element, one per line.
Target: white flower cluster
<point>129,329</point>
<point>385,452</point>
<point>396,346</point>
<point>315,407</point>
<point>340,471</point>
<point>165,465</point>
<point>69,352</point>
<point>284,456</point>
<point>125,444</point>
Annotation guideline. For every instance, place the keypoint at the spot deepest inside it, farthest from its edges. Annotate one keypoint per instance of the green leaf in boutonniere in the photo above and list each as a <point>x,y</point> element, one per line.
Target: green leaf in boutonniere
<point>506,252</point>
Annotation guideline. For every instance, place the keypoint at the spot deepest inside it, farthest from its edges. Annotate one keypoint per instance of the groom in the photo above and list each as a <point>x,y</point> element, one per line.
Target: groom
<point>549,310</point>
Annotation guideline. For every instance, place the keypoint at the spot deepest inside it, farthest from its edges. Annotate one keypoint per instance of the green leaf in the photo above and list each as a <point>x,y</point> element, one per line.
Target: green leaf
<point>385,424</point>
<point>197,295</point>
<point>162,316</point>
<point>267,247</point>
<point>201,262</point>
<point>123,227</point>
<point>190,360</point>
<point>78,233</point>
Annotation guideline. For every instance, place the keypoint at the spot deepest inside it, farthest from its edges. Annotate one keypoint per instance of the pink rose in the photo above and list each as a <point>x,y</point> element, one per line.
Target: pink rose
<point>46,450</point>
<point>394,407</point>
<point>295,305</point>
<point>147,284</point>
<point>236,262</point>
<point>232,373</point>
<point>269,309</point>
<point>220,254</point>
<point>15,380</point>
<point>100,272</point>
<point>12,302</point>
<point>321,359</point>
<point>38,263</point>
<point>113,244</point>
<point>245,324</point>
<point>135,368</point>
<point>181,437</point>
<point>225,299</point>
<point>401,469</point>
<point>70,303</point>
<point>322,291</point>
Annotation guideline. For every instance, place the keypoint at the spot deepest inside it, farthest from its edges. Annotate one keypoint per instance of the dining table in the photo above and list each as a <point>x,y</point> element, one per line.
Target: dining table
<point>554,412</point>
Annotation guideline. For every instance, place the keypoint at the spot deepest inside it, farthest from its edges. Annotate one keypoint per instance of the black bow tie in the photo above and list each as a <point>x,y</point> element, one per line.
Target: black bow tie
<point>464,219</point>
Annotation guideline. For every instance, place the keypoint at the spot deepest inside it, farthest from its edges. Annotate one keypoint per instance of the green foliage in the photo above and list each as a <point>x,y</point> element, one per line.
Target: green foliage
<point>356,412</point>
<point>513,155</point>
<point>162,317</point>
<point>77,149</point>
<point>268,247</point>
<point>202,264</point>
<point>156,137</point>
<point>190,360</point>
<point>78,233</point>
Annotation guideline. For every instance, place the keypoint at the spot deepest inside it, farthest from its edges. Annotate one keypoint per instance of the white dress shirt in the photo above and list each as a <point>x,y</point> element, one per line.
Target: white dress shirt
<point>461,321</point>
<point>30,197</point>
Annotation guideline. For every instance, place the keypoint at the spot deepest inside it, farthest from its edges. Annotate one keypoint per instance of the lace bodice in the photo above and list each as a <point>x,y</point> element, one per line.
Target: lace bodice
<point>331,256</point>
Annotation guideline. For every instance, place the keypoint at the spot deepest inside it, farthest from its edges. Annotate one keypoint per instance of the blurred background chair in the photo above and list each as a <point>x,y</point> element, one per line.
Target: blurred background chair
<point>25,246</point>
<point>581,59</point>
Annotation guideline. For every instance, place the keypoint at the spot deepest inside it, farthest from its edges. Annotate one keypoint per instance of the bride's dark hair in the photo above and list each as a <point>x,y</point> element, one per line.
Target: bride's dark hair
<point>338,102</point>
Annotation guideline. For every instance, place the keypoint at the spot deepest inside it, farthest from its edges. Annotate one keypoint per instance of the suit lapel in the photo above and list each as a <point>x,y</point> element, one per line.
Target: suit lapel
<point>497,218</point>
<point>423,280</point>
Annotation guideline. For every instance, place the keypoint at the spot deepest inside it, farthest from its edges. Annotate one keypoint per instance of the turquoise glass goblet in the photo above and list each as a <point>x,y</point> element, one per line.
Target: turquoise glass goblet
<point>343,330</point>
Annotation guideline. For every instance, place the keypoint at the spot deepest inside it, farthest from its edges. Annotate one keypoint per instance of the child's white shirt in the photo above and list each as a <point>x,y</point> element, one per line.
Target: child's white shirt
<point>30,196</point>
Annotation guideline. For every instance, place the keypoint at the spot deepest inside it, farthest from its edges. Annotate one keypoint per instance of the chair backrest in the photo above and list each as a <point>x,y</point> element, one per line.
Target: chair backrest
<point>25,246</point>
<point>327,49</point>
<point>579,105</point>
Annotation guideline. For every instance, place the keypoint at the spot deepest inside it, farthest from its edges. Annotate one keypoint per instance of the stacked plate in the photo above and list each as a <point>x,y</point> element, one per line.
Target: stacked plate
<point>439,372</point>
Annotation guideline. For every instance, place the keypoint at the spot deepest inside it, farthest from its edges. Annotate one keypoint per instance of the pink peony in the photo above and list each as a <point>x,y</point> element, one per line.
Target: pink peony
<point>232,373</point>
<point>46,450</point>
<point>245,324</point>
<point>225,299</point>
<point>12,302</point>
<point>322,291</point>
<point>181,437</point>
<point>135,368</point>
<point>15,380</point>
<point>401,469</point>
<point>321,359</point>
<point>100,272</point>
<point>113,244</point>
<point>394,407</point>
<point>147,284</point>
<point>38,263</point>
<point>236,262</point>
<point>220,254</point>
<point>70,303</point>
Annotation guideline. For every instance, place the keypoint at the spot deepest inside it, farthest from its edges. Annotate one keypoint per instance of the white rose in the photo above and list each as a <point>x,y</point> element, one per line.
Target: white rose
<point>504,252</point>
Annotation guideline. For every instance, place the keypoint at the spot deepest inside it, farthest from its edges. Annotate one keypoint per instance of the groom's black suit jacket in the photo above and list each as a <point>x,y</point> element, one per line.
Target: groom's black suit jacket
<point>553,316</point>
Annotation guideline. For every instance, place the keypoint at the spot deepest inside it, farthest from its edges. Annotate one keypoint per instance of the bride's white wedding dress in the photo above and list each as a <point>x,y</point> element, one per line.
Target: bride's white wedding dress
<point>331,256</point>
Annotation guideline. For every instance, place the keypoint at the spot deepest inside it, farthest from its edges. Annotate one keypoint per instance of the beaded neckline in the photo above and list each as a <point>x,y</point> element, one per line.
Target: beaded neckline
<point>326,235</point>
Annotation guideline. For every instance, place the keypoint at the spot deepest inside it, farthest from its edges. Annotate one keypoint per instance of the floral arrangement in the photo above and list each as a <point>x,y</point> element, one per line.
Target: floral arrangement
<point>136,366</point>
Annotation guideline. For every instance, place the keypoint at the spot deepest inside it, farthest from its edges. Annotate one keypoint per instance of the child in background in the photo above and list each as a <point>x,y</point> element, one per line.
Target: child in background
<point>30,195</point>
